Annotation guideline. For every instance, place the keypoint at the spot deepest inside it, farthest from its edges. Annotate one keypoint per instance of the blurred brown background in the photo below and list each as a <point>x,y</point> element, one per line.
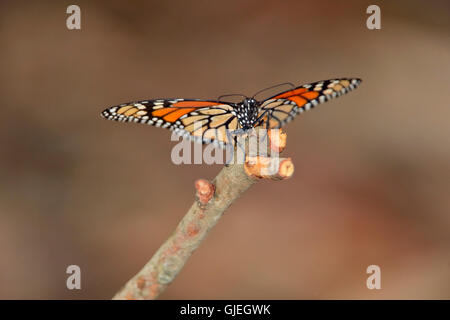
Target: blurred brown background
<point>372,176</point>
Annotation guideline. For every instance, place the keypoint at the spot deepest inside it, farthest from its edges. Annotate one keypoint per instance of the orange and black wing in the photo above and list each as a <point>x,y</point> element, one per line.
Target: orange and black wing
<point>199,120</point>
<point>281,108</point>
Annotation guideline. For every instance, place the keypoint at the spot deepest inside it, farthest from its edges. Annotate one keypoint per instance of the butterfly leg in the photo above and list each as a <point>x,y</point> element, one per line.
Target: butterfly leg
<point>236,152</point>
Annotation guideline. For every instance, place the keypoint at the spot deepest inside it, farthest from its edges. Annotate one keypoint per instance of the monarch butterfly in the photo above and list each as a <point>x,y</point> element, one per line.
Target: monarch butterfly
<point>209,121</point>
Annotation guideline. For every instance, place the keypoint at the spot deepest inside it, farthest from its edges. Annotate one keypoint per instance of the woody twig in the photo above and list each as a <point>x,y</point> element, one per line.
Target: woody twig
<point>212,199</point>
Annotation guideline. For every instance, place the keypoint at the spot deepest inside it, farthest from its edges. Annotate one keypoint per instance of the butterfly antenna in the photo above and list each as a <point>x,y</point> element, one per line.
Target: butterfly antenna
<point>278,85</point>
<point>231,95</point>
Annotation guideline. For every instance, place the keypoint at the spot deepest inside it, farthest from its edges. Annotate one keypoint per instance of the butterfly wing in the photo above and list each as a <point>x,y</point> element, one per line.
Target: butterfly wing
<point>200,120</point>
<point>283,107</point>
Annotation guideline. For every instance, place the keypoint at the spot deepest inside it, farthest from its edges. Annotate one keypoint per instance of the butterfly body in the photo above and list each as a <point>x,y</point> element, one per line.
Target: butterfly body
<point>210,121</point>
<point>247,113</point>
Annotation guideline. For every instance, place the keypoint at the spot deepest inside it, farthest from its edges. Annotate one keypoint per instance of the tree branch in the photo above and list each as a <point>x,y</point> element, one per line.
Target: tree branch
<point>212,199</point>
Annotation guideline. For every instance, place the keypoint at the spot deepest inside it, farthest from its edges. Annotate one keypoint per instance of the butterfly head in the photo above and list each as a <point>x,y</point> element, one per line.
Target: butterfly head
<point>250,103</point>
